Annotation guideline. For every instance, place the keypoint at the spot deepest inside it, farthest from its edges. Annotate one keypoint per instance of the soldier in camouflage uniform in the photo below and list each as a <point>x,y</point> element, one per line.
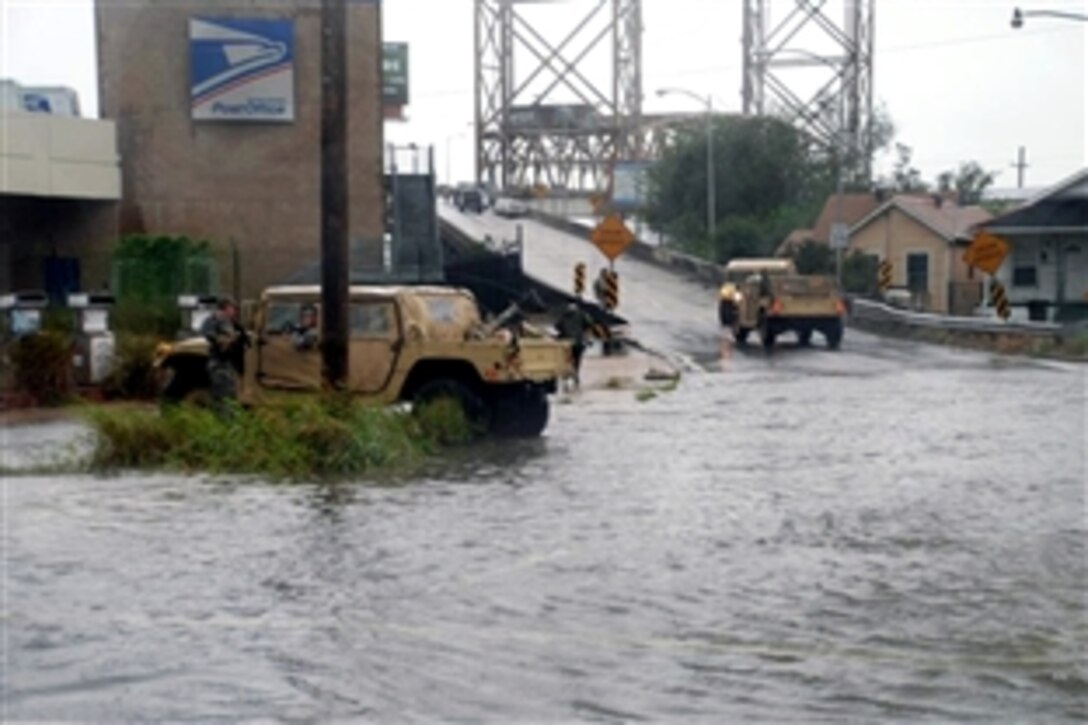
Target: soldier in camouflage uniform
<point>575,325</point>
<point>226,350</point>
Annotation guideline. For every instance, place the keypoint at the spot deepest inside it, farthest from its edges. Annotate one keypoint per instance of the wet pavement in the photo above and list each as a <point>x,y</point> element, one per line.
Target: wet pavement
<point>891,532</point>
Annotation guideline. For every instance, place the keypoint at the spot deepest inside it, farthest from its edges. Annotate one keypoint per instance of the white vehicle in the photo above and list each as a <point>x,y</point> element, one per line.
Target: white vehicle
<point>512,208</point>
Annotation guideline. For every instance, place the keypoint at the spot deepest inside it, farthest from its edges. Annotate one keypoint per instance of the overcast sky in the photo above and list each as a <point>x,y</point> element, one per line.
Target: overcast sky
<point>959,83</point>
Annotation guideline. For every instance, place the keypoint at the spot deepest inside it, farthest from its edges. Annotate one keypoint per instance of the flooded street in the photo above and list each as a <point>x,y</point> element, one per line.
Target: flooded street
<point>893,532</point>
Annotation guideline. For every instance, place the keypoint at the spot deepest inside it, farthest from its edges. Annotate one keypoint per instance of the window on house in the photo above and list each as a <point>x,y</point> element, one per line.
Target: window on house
<point>918,272</point>
<point>1025,265</point>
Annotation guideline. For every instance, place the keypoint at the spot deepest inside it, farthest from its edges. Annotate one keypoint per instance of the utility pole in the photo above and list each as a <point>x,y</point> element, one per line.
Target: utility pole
<point>334,195</point>
<point>711,181</point>
<point>1021,165</point>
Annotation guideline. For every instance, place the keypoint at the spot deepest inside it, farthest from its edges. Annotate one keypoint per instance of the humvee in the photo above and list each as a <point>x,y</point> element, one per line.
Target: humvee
<point>407,344</point>
<point>736,273</point>
<point>778,303</point>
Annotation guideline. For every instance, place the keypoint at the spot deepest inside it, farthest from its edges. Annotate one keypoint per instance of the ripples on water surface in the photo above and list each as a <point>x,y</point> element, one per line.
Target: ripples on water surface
<point>889,544</point>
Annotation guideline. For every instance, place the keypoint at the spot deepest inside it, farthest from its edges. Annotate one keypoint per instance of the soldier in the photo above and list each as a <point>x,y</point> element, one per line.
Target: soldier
<point>304,335</point>
<point>599,285</point>
<point>226,352</point>
<point>573,325</point>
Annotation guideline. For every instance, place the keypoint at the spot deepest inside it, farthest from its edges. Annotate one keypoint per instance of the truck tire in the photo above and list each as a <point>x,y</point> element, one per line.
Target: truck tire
<point>521,412</point>
<point>727,313</point>
<point>477,410</point>
<point>187,384</point>
<point>833,333</point>
<point>767,333</point>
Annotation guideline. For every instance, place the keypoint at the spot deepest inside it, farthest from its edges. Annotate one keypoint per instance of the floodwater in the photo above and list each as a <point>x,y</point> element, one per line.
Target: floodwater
<point>891,533</point>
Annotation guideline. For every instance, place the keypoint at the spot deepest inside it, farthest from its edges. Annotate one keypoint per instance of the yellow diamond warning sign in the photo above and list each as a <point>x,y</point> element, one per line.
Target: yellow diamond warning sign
<point>612,237</point>
<point>987,252</point>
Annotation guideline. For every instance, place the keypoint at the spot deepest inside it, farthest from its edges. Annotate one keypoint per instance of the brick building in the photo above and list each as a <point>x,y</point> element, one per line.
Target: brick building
<point>243,172</point>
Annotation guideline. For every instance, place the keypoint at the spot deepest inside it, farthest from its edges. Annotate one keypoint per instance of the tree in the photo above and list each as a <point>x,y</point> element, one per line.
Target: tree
<point>859,272</point>
<point>906,178</point>
<point>770,179</point>
<point>150,271</point>
<point>969,181</point>
<point>814,258</point>
<point>857,163</point>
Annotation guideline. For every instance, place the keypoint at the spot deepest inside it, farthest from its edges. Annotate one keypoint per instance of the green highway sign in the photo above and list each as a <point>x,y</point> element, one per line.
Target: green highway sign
<point>395,74</point>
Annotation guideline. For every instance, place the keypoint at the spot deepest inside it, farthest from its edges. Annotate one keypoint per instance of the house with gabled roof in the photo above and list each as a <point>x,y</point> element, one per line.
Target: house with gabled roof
<point>924,238</point>
<point>1046,273</point>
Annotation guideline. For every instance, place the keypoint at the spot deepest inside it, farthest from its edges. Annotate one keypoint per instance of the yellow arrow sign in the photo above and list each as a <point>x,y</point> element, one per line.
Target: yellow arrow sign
<point>987,252</point>
<point>612,237</point>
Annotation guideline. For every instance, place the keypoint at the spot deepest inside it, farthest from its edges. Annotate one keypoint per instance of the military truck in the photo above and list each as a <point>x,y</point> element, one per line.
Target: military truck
<point>407,344</point>
<point>736,273</point>
<point>777,303</point>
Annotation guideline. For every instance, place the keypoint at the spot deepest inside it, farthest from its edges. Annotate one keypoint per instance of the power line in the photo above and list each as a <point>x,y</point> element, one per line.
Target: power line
<point>900,48</point>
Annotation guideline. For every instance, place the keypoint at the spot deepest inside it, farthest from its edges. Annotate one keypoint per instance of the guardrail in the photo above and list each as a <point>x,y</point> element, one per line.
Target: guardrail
<point>1019,338</point>
<point>877,312</point>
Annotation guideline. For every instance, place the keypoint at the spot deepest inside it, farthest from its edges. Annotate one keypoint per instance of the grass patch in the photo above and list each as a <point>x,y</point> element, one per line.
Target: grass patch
<point>645,395</point>
<point>324,439</point>
<point>444,422</point>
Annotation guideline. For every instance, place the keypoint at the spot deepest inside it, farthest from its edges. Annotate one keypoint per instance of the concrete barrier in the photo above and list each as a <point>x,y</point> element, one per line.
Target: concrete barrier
<point>973,332</point>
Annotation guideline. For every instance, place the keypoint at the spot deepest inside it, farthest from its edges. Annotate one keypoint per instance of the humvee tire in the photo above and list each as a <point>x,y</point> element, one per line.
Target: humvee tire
<point>767,333</point>
<point>727,313</point>
<point>188,383</point>
<point>477,411</point>
<point>833,334</point>
<point>520,412</point>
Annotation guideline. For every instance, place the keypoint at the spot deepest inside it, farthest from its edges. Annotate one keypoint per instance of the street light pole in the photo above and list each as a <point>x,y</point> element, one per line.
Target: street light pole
<point>449,138</point>
<point>449,176</point>
<point>1018,16</point>
<point>711,173</point>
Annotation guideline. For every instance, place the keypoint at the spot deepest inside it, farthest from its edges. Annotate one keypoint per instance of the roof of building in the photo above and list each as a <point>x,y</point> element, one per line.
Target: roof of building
<point>1063,208</point>
<point>794,240</point>
<point>943,217</point>
<point>853,208</point>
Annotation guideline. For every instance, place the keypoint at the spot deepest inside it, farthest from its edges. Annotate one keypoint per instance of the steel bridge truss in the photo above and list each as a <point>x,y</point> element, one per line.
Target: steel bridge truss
<point>525,137</point>
<point>839,113</point>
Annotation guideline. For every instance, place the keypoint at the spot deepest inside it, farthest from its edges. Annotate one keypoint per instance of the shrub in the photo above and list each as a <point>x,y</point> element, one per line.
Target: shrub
<point>158,317</point>
<point>42,365</point>
<point>133,374</point>
<point>859,273</point>
<point>814,258</point>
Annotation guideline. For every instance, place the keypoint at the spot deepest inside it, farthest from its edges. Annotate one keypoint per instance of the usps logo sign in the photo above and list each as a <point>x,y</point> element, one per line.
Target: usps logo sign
<point>242,69</point>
